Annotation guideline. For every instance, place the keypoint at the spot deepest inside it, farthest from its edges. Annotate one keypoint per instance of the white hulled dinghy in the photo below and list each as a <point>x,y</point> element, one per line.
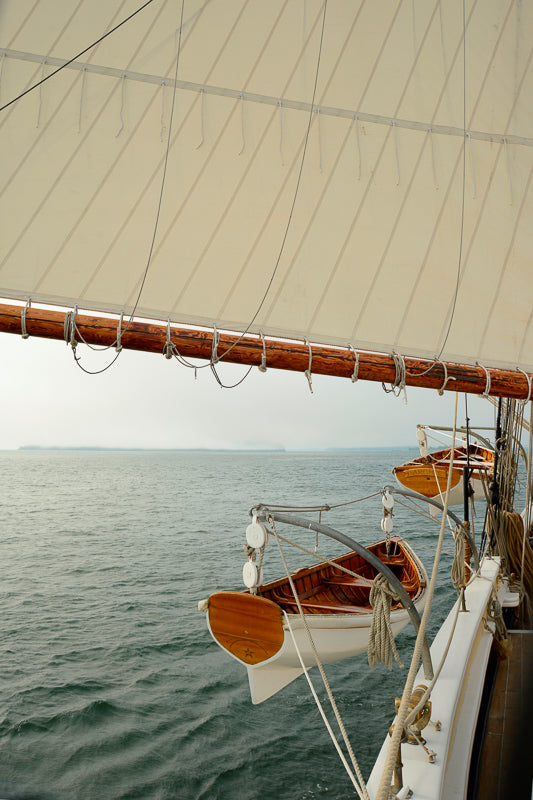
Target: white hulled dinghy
<point>266,632</point>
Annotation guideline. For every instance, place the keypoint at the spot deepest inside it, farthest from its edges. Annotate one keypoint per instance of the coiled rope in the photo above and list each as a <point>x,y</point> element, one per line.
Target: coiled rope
<point>381,644</point>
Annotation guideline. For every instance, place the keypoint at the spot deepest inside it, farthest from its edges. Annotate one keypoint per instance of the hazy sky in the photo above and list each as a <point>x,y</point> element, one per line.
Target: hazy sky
<point>143,400</point>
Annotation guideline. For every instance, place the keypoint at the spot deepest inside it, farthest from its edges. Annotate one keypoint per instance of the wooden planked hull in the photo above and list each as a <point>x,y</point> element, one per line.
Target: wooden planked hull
<point>428,475</point>
<point>266,633</point>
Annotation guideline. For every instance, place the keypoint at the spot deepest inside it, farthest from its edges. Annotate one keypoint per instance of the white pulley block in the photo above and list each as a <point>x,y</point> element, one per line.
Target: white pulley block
<point>388,501</point>
<point>250,575</point>
<point>387,524</point>
<point>256,534</point>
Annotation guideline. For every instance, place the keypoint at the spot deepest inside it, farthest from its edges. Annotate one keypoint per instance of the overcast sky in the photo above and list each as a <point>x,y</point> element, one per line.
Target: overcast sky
<point>145,401</point>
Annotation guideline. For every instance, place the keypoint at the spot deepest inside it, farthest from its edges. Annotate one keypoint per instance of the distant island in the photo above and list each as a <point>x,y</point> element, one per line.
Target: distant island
<point>96,449</point>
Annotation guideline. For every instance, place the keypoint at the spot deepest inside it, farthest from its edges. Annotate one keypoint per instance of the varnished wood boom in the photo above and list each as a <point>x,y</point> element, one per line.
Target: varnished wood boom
<point>280,354</point>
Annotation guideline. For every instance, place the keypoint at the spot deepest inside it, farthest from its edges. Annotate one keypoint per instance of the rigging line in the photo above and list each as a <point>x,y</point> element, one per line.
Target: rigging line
<point>460,258</point>
<point>75,58</point>
<point>158,212</point>
<point>163,177</point>
<point>233,385</point>
<point>296,192</point>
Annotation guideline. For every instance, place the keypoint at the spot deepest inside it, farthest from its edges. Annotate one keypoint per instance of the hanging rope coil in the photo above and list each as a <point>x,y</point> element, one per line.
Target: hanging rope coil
<point>458,570</point>
<point>398,386</point>
<point>381,644</point>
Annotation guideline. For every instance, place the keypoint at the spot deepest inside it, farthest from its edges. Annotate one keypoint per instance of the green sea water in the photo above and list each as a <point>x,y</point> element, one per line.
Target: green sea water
<point>111,686</point>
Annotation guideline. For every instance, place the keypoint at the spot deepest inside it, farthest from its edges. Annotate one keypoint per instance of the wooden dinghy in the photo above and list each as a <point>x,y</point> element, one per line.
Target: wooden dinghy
<point>428,475</point>
<point>265,631</point>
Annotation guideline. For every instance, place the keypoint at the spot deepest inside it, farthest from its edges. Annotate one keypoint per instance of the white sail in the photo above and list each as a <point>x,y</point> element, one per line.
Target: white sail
<point>415,181</point>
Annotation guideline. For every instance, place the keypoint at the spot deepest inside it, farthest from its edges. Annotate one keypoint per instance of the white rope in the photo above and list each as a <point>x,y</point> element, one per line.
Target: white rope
<point>487,384</point>
<point>361,787</point>
<point>528,379</point>
<point>83,76</point>
<point>243,145</point>
<point>355,374</point>
<point>392,753</point>
<point>281,134</point>
<point>319,141</point>
<point>358,145</point>
<point>396,151</point>
<point>504,140</point>
<point>121,106</point>
<point>168,349</point>
<point>118,344</point>
<point>458,564</point>
<point>69,328</point>
<point>202,97</point>
<point>263,365</point>
<point>214,346</point>
<point>446,376</point>
<point>40,94</point>
<point>23,332</point>
<point>433,158</point>
<point>471,163</point>
<point>399,380</point>
<point>307,372</point>
<point>162,128</point>
<point>322,712</point>
<point>381,644</point>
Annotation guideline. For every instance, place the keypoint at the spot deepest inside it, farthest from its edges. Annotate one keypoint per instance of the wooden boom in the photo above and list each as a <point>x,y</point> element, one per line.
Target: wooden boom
<point>280,354</point>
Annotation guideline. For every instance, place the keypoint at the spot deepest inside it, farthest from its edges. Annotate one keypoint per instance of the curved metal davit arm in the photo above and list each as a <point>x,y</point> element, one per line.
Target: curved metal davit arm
<point>436,504</point>
<point>300,522</point>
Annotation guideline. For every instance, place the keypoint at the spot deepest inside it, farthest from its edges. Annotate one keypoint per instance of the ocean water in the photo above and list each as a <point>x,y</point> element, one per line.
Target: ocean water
<point>111,686</point>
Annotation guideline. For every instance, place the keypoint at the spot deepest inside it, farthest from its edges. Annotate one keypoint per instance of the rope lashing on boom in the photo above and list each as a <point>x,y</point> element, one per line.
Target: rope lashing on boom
<point>487,384</point>
<point>214,346</point>
<point>446,376</point>
<point>263,365</point>
<point>118,344</point>
<point>69,328</point>
<point>399,380</point>
<point>307,372</point>
<point>528,379</point>
<point>381,644</point>
<point>23,332</point>
<point>355,374</point>
<point>168,350</point>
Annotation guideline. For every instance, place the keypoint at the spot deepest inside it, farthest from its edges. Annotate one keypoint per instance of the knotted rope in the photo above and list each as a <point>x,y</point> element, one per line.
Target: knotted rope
<point>458,569</point>
<point>381,644</point>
